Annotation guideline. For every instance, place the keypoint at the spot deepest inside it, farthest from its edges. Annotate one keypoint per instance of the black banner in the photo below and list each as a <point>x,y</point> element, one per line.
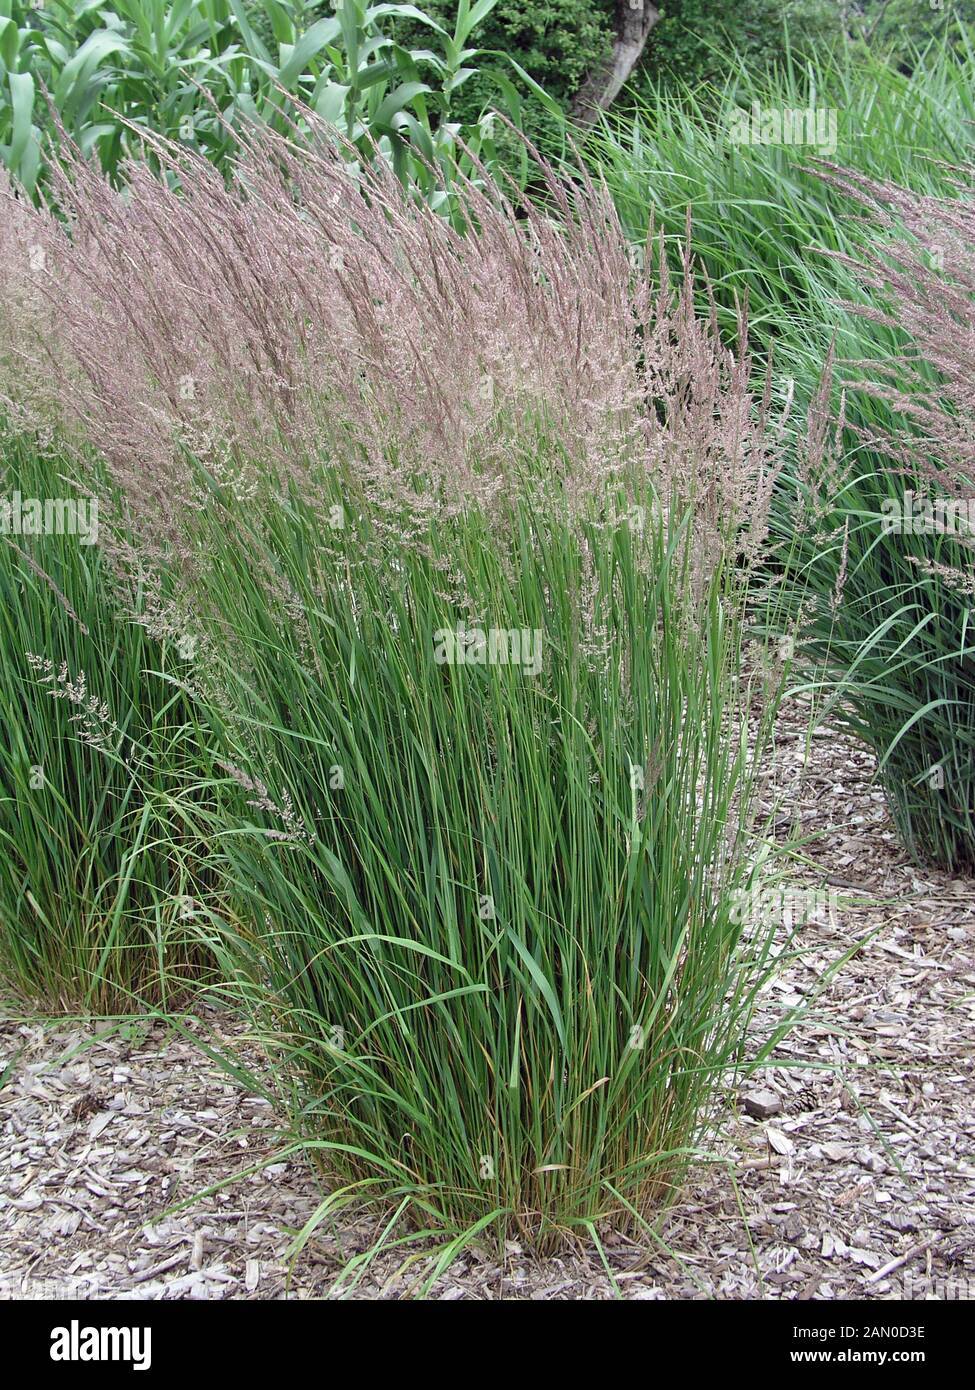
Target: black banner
<point>168,1338</point>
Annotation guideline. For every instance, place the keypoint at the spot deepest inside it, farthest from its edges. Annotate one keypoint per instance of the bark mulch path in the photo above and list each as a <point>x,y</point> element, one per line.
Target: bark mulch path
<point>856,1179</point>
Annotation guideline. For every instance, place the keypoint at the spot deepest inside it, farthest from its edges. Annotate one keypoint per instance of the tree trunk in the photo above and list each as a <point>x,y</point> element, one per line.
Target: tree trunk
<point>634,20</point>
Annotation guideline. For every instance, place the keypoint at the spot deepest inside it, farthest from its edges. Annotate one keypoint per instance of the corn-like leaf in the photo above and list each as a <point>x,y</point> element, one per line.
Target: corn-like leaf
<point>308,47</point>
<point>22,106</point>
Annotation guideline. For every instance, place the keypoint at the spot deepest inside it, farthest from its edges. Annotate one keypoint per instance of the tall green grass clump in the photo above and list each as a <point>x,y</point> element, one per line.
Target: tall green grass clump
<point>498,940</point>
<point>465,525</point>
<point>100,765</point>
<point>829,291</point>
<point>761,218</point>
<point>899,515</point>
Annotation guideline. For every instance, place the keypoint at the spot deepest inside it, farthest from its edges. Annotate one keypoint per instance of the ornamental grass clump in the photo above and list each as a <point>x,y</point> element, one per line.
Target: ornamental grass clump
<point>464,526</point>
<point>863,522</point>
<point>892,554</point>
<point>102,764</point>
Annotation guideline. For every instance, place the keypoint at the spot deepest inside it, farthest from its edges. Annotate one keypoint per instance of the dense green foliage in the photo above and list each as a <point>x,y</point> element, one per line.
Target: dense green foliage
<point>415,79</point>
<point>557,41</point>
<point>192,70</point>
<point>700,40</point>
<point>900,29</point>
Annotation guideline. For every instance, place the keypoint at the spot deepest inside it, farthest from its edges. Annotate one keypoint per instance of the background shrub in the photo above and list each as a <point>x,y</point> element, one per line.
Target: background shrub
<point>699,41</point>
<point>901,29</point>
<point>557,41</point>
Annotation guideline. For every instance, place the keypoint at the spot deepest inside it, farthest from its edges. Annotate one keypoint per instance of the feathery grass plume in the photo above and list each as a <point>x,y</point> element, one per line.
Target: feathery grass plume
<point>299,317</point>
<point>927,280</point>
<point>27,318</point>
<point>466,522</point>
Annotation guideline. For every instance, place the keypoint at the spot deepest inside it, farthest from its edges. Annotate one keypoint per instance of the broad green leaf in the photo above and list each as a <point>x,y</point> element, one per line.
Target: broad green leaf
<point>9,42</point>
<point>254,44</point>
<point>404,12</point>
<point>472,19</point>
<point>22,106</point>
<point>282,24</point>
<point>77,71</point>
<point>550,104</point>
<point>308,47</point>
<point>330,101</point>
<point>400,97</point>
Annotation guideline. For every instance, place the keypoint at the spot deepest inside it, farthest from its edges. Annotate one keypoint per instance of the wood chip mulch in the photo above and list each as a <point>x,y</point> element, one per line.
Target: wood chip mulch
<point>844,1169</point>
